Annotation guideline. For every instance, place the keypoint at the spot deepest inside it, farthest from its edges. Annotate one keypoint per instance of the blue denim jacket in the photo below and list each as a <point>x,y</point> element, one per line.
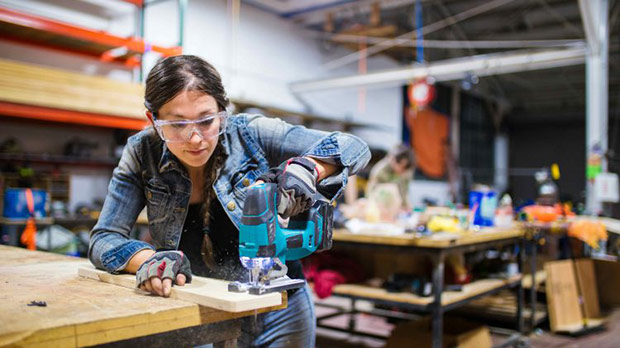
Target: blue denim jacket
<point>149,174</point>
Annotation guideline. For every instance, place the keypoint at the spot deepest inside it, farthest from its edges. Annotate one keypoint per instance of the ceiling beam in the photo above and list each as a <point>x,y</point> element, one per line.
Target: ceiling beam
<point>451,44</point>
<point>453,69</point>
<point>382,46</point>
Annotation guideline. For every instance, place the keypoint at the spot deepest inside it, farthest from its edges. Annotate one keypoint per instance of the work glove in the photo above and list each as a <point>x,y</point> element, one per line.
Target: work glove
<point>296,180</point>
<point>164,264</point>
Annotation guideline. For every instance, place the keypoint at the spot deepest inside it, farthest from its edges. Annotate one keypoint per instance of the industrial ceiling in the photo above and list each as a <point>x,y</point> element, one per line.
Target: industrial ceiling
<point>459,28</point>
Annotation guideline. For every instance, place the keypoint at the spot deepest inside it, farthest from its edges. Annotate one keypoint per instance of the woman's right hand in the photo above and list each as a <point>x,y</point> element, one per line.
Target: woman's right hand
<point>157,273</point>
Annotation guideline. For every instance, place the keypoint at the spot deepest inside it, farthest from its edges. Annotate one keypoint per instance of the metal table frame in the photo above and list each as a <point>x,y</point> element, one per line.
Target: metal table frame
<point>222,334</point>
<point>436,308</point>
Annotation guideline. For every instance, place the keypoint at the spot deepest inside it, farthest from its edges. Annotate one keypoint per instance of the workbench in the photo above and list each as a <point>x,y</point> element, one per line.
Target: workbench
<point>84,312</point>
<point>437,249</point>
<point>534,232</point>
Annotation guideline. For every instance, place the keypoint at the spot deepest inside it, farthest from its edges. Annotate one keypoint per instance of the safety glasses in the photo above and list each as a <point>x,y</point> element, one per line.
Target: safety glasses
<point>179,131</point>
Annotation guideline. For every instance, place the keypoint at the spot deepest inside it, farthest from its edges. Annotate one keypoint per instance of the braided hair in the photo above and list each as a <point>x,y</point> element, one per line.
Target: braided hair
<point>171,76</point>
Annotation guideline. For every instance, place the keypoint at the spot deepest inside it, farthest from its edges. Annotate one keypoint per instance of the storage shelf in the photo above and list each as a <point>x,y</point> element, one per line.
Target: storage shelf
<point>39,221</point>
<point>42,113</point>
<point>45,32</point>
<point>501,307</point>
<point>448,298</point>
<point>58,159</point>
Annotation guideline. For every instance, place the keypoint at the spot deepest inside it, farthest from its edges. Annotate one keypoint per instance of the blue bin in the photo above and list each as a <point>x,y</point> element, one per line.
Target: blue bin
<point>484,203</point>
<point>16,207</point>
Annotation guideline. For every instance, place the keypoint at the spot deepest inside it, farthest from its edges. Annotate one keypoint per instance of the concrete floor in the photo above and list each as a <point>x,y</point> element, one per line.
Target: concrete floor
<point>608,338</point>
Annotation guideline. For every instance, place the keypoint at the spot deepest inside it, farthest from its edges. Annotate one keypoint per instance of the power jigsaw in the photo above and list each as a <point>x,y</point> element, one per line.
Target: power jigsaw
<point>266,243</point>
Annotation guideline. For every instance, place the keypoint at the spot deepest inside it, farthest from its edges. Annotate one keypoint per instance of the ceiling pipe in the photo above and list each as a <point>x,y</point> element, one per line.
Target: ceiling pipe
<point>453,69</point>
<point>382,46</point>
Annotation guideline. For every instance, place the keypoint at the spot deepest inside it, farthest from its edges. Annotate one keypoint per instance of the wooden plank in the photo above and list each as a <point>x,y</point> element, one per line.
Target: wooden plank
<point>54,88</point>
<point>608,282</point>
<point>448,297</point>
<point>612,225</point>
<point>485,235</point>
<point>562,295</point>
<point>203,291</point>
<point>588,291</point>
<point>541,276</point>
<point>19,256</point>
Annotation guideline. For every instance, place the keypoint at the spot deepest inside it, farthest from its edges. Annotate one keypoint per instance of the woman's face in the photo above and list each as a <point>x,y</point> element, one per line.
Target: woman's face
<point>191,105</point>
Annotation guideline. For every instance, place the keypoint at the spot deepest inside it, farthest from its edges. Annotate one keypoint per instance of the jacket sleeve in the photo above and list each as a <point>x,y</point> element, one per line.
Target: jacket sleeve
<point>281,141</point>
<point>110,246</point>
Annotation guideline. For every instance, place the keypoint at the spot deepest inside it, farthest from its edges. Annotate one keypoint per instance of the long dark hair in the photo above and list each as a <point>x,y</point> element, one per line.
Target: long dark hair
<point>168,78</point>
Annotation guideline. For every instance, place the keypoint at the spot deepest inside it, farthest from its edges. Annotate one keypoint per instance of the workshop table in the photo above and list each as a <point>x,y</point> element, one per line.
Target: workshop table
<point>437,248</point>
<point>84,312</point>
<point>534,232</point>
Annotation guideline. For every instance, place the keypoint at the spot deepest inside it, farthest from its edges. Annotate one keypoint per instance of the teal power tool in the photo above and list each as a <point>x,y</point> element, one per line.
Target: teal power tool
<point>265,244</point>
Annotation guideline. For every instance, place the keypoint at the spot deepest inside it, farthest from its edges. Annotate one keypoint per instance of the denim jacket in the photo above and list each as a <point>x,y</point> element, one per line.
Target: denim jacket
<point>149,174</point>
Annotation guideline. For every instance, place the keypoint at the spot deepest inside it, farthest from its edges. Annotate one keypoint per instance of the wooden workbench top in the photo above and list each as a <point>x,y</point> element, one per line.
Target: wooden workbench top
<point>612,225</point>
<point>433,241</point>
<point>79,311</point>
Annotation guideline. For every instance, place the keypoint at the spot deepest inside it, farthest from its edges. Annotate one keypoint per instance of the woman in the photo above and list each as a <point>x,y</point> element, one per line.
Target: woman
<point>398,167</point>
<point>192,169</point>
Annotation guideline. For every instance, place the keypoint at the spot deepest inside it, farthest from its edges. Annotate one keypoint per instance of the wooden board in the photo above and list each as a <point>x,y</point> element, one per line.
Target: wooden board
<point>54,88</point>
<point>203,291</point>
<point>541,276</point>
<point>562,295</point>
<point>586,279</point>
<point>84,312</point>
<point>608,282</point>
<point>485,235</point>
<point>612,225</point>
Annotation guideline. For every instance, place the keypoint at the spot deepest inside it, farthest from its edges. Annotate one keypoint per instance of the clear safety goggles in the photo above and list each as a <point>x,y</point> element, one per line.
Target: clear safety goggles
<point>179,131</point>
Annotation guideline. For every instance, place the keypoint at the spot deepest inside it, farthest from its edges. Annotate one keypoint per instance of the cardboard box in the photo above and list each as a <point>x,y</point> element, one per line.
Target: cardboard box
<point>457,333</point>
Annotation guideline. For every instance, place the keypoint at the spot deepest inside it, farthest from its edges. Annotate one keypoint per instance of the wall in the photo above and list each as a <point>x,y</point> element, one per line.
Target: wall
<point>539,145</point>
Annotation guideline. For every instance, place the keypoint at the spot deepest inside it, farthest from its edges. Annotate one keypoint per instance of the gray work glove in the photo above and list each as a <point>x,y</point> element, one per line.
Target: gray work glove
<point>296,179</point>
<point>164,264</point>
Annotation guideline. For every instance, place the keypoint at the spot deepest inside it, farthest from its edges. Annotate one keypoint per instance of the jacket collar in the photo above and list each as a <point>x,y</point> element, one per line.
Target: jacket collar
<point>169,161</point>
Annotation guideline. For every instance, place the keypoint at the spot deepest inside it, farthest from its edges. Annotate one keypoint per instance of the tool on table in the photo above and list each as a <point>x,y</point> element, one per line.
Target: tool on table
<point>265,244</point>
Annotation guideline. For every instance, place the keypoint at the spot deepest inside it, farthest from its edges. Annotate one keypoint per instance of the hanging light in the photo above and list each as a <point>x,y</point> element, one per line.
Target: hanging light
<point>421,93</point>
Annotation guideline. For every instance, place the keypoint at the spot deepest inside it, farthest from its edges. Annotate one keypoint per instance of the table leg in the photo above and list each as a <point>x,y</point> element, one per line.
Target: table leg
<point>352,317</point>
<point>437,311</point>
<point>533,288</point>
<point>520,292</point>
